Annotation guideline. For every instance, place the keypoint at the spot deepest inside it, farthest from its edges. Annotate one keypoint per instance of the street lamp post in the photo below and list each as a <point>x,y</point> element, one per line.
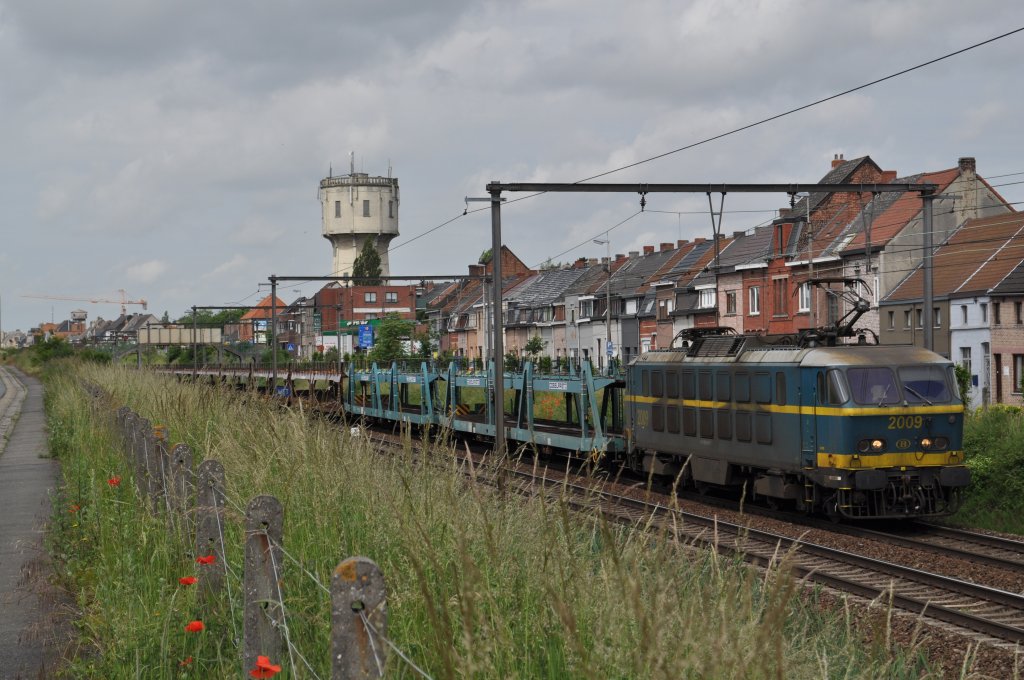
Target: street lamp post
<point>606,241</point>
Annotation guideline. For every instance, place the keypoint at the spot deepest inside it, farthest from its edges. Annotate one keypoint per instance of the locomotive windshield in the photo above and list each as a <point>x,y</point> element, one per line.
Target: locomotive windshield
<point>876,385</point>
<point>917,385</point>
<point>924,384</point>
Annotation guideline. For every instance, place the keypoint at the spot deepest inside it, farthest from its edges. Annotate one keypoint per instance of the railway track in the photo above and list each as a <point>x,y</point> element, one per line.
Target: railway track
<point>971,608</point>
<point>994,551</point>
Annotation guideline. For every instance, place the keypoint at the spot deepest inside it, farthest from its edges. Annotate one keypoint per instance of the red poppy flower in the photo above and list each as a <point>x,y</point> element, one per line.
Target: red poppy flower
<point>114,481</point>
<point>74,507</point>
<point>186,662</point>
<point>187,580</point>
<point>194,626</point>
<point>206,559</point>
<point>264,669</point>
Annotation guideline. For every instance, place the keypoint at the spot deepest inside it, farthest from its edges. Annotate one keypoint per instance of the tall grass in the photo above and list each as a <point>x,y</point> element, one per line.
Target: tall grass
<point>479,585</point>
<point>994,449</point>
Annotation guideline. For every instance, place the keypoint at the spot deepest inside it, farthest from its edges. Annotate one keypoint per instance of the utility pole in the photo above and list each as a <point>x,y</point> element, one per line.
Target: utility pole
<point>273,334</point>
<point>195,346</point>
<point>607,241</point>
<point>928,198</point>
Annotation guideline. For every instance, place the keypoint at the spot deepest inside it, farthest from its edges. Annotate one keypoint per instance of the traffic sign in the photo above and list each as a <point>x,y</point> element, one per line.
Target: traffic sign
<point>609,348</point>
<point>365,336</point>
<point>291,347</point>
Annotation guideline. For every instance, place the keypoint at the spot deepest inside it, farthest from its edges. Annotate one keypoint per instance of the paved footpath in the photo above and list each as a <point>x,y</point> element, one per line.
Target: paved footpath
<point>30,610</point>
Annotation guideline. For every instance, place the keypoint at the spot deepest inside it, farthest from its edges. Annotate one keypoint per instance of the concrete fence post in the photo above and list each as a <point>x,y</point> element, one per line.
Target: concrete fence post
<point>358,590</point>
<point>121,418</point>
<point>158,468</point>
<point>210,529</point>
<point>180,488</point>
<point>263,616</point>
<point>142,432</point>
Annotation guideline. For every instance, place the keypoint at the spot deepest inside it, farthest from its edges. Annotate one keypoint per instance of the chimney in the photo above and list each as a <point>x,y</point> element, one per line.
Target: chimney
<point>681,242</point>
<point>967,164</point>
<point>477,270</point>
<point>664,246</point>
<point>592,261</point>
<point>579,263</point>
<point>648,250</point>
<point>699,240</point>
<point>837,160</point>
<point>619,257</point>
<point>738,234</point>
<point>887,176</point>
<point>634,253</point>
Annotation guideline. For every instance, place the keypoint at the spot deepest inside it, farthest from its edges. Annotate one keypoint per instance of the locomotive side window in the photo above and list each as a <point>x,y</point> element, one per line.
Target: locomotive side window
<point>724,418</point>
<point>658,417</point>
<point>672,387</point>
<point>657,384</point>
<point>764,428</point>
<point>780,388</point>
<point>690,422</point>
<point>924,384</point>
<point>723,383</point>
<point>743,426</point>
<point>707,423</point>
<point>876,385</point>
<point>688,390</point>
<point>743,387</point>
<point>704,385</point>
<point>645,382</point>
<point>952,381</point>
<point>762,388</point>
<point>673,420</point>
<point>832,390</point>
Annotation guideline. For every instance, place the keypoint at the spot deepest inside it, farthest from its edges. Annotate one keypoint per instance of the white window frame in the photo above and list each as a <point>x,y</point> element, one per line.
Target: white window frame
<point>390,296</point>
<point>804,295</point>
<point>706,298</point>
<point>369,297</point>
<point>754,298</point>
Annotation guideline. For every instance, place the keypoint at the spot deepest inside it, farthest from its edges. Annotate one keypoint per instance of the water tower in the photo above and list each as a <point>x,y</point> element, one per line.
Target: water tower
<point>357,207</point>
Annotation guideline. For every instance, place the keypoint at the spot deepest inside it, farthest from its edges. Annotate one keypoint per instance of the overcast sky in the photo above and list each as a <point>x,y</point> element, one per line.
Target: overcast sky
<point>174,149</point>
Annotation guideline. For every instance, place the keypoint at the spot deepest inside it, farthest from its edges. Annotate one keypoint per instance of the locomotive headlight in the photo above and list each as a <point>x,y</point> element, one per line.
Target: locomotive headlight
<point>864,445</point>
<point>926,443</point>
<point>877,444</point>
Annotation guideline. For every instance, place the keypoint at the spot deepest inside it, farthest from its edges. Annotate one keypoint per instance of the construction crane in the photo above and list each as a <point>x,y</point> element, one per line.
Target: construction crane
<point>124,301</point>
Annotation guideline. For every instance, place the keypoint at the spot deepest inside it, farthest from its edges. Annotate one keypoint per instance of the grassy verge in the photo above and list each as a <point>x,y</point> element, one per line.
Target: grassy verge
<point>479,585</point>
<point>994,449</point>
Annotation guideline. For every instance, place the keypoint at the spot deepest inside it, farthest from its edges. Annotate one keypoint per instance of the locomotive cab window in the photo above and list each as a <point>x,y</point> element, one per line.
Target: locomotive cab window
<point>924,384</point>
<point>831,388</point>
<point>876,386</point>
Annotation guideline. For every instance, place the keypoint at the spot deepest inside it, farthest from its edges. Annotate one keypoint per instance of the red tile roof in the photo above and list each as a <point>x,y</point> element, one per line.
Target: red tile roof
<point>977,257</point>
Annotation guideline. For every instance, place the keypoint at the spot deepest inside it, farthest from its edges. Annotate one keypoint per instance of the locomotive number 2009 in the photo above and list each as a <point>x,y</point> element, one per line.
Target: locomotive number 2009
<point>904,422</point>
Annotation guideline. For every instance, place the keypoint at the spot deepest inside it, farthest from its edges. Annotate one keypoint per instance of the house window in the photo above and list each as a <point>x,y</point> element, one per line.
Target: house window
<point>586,309</point>
<point>984,313</point>
<point>781,290</point>
<point>1017,312</point>
<point>1018,372</point>
<point>996,319</point>
<point>937,317</point>
<point>805,298</point>
<point>920,318</point>
<point>337,208</point>
<point>755,300</point>
<point>965,358</point>
<point>369,297</point>
<point>963,315</point>
<point>707,298</point>
<point>892,320</point>
<point>730,302</point>
<point>391,208</point>
<point>366,208</point>
<point>906,318</point>
<point>391,297</point>
<point>876,293</point>
<point>630,307</point>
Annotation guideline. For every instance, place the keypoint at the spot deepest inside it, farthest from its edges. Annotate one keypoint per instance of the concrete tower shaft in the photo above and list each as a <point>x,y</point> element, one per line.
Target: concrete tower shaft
<point>356,207</point>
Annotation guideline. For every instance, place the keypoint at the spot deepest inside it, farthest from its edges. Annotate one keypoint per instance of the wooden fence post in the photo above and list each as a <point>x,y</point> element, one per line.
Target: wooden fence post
<point>210,528</point>
<point>357,590</point>
<point>263,616</point>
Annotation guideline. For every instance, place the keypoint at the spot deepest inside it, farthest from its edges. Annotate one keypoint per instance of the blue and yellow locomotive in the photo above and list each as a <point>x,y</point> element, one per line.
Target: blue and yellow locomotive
<point>857,431</point>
